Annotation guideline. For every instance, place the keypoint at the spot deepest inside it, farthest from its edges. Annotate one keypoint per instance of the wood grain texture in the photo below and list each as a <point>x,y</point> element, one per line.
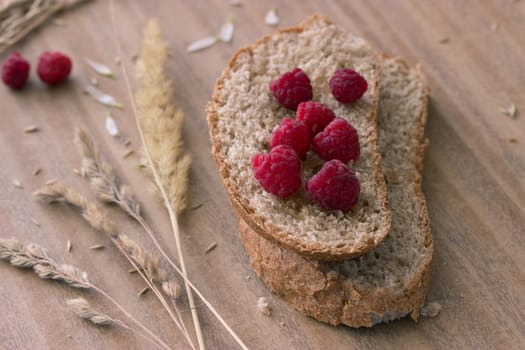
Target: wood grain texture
<point>474,178</point>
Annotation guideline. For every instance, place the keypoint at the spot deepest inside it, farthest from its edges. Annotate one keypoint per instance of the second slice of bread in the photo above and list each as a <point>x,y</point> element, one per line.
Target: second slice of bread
<point>243,114</point>
<point>392,280</point>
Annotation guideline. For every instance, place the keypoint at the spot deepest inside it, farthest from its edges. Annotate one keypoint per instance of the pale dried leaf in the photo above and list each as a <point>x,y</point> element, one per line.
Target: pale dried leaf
<point>101,97</point>
<point>111,126</point>
<point>100,68</point>
<point>271,18</point>
<point>227,29</point>
<point>202,44</point>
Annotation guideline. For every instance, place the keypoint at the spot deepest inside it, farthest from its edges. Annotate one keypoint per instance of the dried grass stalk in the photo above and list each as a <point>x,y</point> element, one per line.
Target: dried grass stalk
<point>161,121</point>
<point>102,176</point>
<point>152,35</point>
<point>146,264</point>
<point>18,18</point>
<point>37,258</point>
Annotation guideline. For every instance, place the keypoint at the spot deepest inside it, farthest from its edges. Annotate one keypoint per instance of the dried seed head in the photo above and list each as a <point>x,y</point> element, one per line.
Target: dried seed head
<point>172,289</point>
<point>84,310</point>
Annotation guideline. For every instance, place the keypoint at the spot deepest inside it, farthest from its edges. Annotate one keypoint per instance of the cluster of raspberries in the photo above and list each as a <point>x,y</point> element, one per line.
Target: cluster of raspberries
<point>53,68</point>
<point>335,186</point>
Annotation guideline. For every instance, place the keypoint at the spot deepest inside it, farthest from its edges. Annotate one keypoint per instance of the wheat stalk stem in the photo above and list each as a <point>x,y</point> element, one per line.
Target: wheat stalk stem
<point>174,221</point>
<point>173,218</point>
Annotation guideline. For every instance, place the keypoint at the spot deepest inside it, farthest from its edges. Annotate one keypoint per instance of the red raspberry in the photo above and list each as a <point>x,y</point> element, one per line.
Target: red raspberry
<point>15,71</point>
<point>293,133</point>
<point>278,172</point>
<point>339,140</point>
<point>335,186</point>
<point>292,88</point>
<point>347,85</point>
<point>53,67</point>
<point>315,115</point>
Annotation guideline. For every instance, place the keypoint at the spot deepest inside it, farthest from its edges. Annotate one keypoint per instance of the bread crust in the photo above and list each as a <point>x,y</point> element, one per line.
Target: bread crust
<point>315,289</point>
<point>257,222</point>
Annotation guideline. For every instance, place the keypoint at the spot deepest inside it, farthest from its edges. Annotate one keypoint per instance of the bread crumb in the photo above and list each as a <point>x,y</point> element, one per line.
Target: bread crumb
<point>431,309</point>
<point>264,307</point>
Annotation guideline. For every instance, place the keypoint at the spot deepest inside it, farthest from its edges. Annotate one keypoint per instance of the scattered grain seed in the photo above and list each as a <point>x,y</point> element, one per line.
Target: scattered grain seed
<point>264,307</point>
<point>211,247</point>
<point>236,2</point>
<point>97,247</point>
<point>444,40</point>
<point>34,221</point>
<point>111,125</point>
<point>31,128</point>
<point>102,98</point>
<point>17,183</point>
<point>143,291</point>
<point>68,246</point>
<point>128,153</point>
<point>58,21</point>
<point>271,18</point>
<point>513,140</point>
<point>494,26</point>
<point>94,81</point>
<point>133,270</point>
<point>52,181</point>
<point>127,143</point>
<point>100,68</point>
<point>77,172</point>
<point>510,111</point>
<point>118,60</point>
<point>197,206</point>
<point>226,34</point>
<point>134,57</point>
<point>202,44</point>
<point>37,171</point>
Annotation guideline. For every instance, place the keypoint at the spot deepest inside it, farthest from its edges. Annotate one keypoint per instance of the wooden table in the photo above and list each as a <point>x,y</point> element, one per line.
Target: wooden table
<point>474,177</point>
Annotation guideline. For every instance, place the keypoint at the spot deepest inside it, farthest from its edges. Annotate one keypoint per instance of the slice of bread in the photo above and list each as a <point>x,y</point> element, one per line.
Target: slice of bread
<point>243,113</point>
<point>392,280</point>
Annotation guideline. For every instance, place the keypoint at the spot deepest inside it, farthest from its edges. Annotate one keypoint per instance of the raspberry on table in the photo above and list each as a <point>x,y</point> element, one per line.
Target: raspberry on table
<point>339,140</point>
<point>15,71</point>
<point>53,67</point>
<point>278,172</point>
<point>292,88</point>
<point>347,85</point>
<point>315,115</point>
<point>335,186</point>
<point>294,133</point>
